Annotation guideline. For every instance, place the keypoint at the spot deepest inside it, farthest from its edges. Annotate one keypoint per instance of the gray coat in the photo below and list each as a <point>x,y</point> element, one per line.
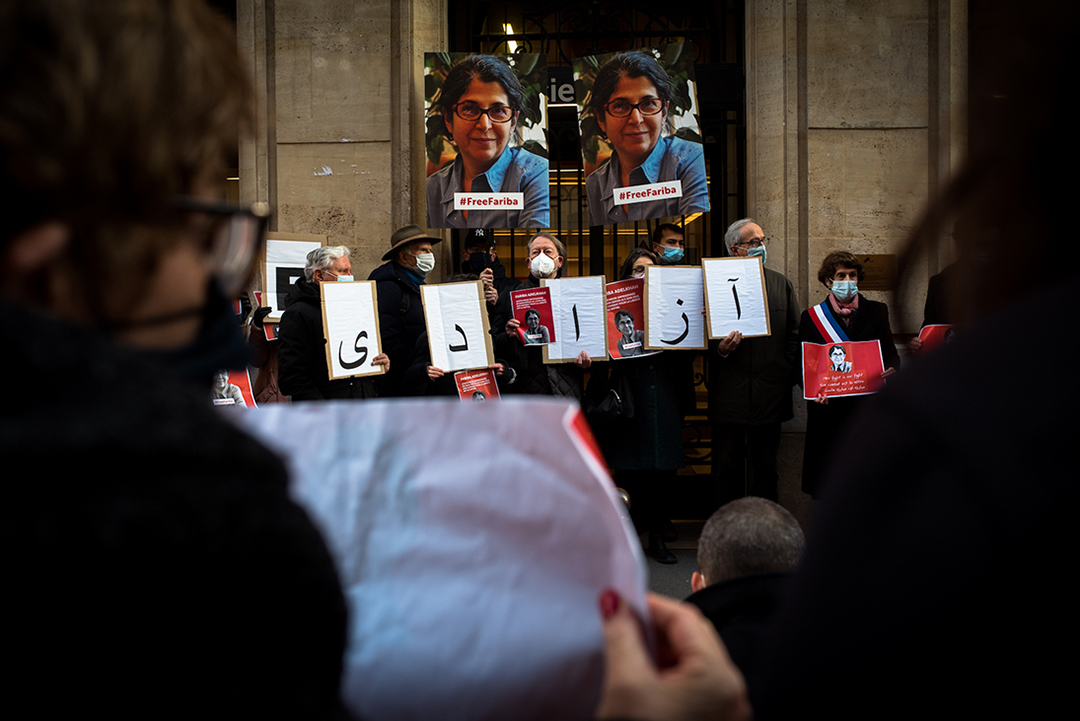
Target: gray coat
<point>752,385</point>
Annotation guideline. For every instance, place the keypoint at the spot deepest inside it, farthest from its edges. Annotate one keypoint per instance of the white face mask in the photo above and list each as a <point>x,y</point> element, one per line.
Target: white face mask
<point>425,263</point>
<point>542,266</point>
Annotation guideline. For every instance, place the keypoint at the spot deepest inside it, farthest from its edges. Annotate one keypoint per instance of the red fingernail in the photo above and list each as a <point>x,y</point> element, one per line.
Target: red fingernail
<point>609,603</point>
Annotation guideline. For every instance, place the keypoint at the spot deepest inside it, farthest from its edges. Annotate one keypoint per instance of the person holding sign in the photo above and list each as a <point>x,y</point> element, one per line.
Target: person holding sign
<point>629,100</point>
<point>645,452</point>
<point>303,373</point>
<point>546,256</point>
<point>750,382</point>
<point>844,315</point>
<point>479,104</point>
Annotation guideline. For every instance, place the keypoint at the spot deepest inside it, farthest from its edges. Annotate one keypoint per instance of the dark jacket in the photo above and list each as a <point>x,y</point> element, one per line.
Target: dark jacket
<point>153,561</point>
<point>752,385</point>
<point>533,376</point>
<point>401,319</point>
<point>416,382</point>
<point>302,369</point>
<point>936,576</point>
<point>743,611</point>
<point>661,388</point>
<point>826,422</point>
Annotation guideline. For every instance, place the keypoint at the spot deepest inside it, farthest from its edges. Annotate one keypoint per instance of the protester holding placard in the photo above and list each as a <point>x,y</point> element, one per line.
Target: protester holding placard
<point>401,309</point>
<point>646,451</point>
<point>546,256</point>
<point>303,373</point>
<point>422,378</point>
<point>750,382</point>
<point>845,315</point>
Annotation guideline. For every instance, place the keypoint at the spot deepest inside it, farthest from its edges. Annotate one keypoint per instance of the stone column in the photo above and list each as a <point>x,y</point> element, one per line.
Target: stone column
<point>853,122</point>
<point>338,149</point>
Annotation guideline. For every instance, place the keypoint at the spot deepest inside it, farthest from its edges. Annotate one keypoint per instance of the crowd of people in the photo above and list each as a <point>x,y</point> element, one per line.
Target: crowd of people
<point>158,567</point>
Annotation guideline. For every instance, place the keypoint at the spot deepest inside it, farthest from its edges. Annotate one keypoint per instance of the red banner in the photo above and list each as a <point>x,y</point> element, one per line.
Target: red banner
<point>849,368</point>
<point>477,386</point>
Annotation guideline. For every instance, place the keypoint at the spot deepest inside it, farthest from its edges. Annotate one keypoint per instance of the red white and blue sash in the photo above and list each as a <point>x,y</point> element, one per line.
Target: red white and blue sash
<point>828,326</point>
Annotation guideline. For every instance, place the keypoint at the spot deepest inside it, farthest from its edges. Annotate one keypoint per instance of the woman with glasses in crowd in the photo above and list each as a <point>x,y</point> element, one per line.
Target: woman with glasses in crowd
<point>479,102</point>
<point>630,99</point>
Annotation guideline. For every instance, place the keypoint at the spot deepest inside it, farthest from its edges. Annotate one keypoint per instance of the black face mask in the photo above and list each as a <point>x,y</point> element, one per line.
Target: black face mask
<point>219,344</point>
<point>479,261</point>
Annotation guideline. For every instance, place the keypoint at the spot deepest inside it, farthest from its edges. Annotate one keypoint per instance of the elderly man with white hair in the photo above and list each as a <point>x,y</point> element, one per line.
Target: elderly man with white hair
<point>303,373</point>
<point>750,382</point>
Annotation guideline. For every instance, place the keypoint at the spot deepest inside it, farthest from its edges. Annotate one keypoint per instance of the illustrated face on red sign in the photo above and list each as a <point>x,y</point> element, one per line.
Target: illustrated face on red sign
<point>841,369</point>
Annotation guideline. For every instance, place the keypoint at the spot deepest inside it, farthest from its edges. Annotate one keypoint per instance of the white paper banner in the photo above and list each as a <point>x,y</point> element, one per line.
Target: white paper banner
<point>473,561</point>
<point>285,261</point>
<point>457,325</point>
<point>580,319</point>
<point>674,299</point>
<point>350,317</point>
<point>735,289</point>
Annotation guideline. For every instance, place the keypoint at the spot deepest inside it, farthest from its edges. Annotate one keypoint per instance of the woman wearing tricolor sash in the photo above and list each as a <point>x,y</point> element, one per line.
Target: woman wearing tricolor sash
<point>844,316</point>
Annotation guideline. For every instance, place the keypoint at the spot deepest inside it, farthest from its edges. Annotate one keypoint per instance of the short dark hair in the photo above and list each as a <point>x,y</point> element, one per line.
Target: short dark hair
<point>628,264</point>
<point>836,259</point>
<point>841,348</point>
<point>485,68</point>
<point>750,535</point>
<point>92,140</point>
<point>532,311</point>
<point>623,314</point>
<point>658,234</point>
<point>635,64</point>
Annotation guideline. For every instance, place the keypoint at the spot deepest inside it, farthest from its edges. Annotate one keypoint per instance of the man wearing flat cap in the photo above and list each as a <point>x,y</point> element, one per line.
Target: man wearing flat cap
<point>398,281</point>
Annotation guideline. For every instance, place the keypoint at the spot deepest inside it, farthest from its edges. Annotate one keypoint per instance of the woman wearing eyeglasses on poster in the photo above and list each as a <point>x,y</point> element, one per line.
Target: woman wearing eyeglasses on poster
<point>630,100</point>
<point>480,102</point>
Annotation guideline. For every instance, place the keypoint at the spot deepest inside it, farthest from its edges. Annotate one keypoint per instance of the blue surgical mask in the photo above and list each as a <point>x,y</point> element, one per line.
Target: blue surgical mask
<point>758,251</point>
<point>845,290</point>
<point>672,254</point>
<point>345,278</point>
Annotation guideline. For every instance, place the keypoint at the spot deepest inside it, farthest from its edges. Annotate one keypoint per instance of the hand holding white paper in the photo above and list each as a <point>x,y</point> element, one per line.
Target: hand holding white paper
<point>472,561</point>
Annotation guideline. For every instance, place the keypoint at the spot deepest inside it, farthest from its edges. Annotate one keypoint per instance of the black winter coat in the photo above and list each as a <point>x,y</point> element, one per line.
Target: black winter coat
<point>662,392</point>
<point>154,564</point>
<point>401,320</point>
<point>302,369</point>
<point>826,422</point>
<point>752,385</point>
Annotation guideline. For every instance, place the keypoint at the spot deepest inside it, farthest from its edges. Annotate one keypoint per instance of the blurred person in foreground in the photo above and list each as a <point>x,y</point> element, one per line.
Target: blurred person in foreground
<point>155,564</point>
<point>747,552</point>
<point>935,580</point>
